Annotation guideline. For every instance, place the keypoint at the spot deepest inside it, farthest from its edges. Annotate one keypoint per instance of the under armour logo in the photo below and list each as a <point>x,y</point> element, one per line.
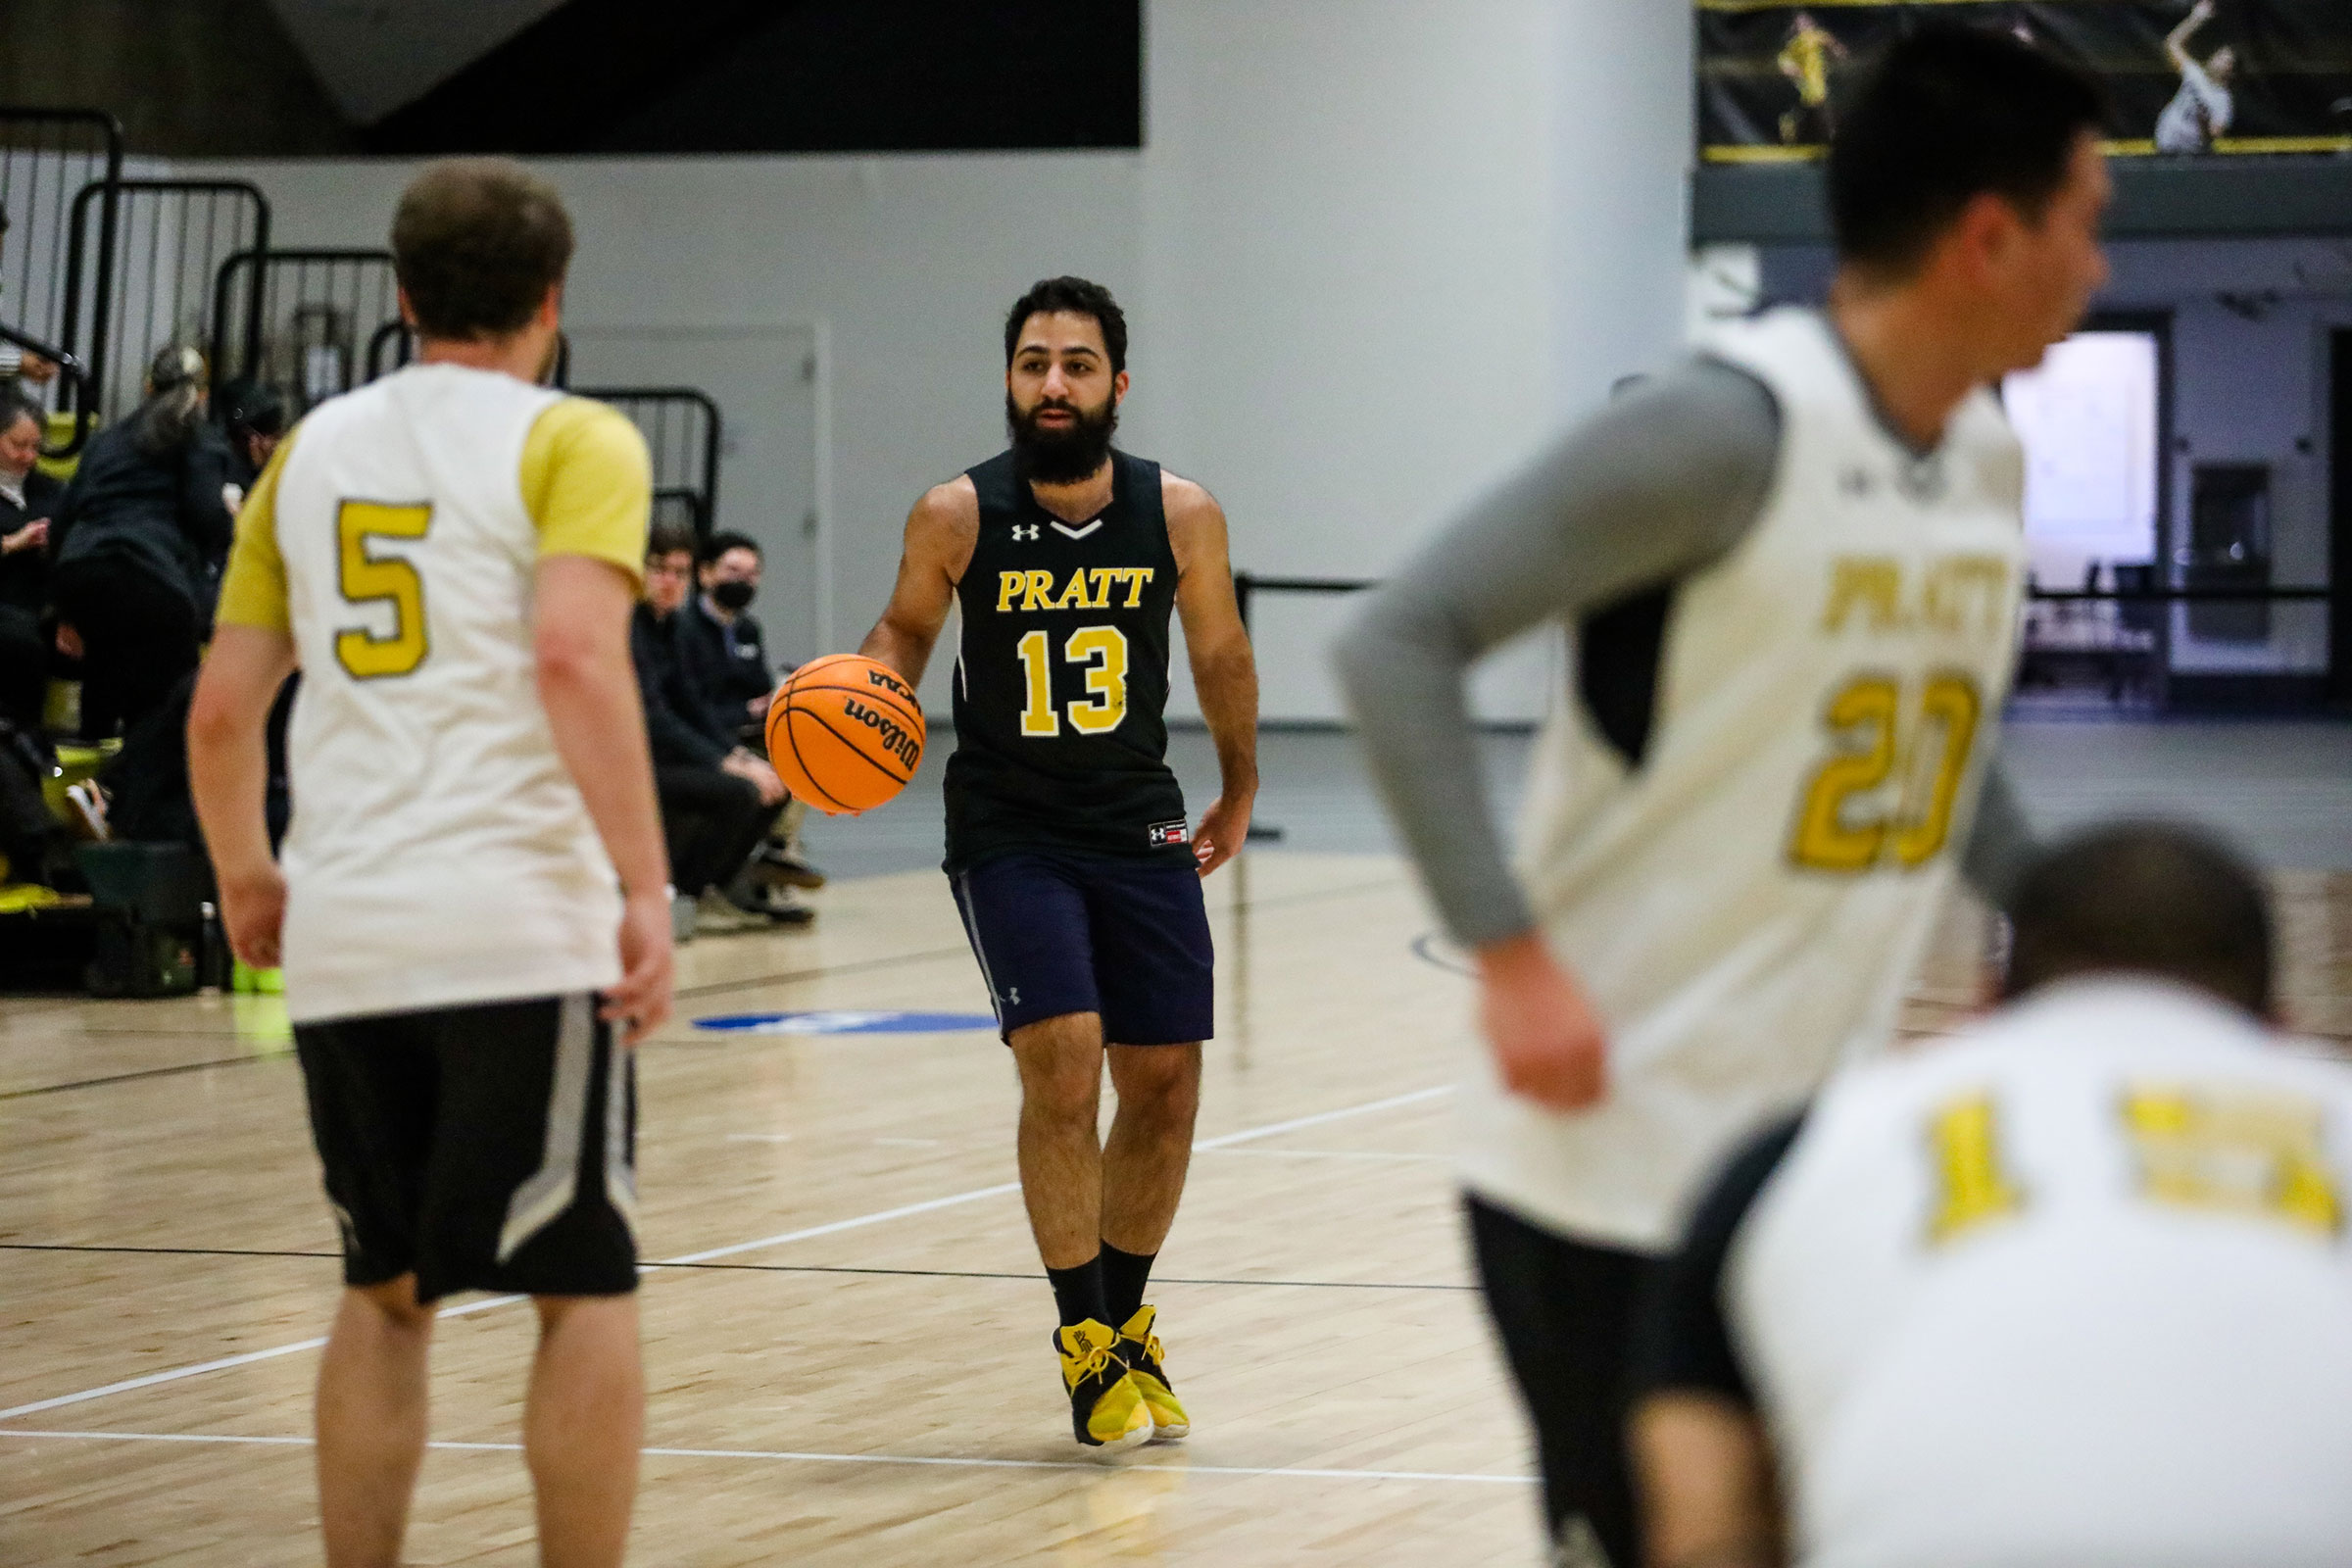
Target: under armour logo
<point>1025,530</point>
<point>1013,997</point>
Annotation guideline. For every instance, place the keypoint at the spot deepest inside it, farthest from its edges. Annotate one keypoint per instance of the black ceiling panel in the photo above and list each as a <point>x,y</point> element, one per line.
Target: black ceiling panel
<point>817,75</point>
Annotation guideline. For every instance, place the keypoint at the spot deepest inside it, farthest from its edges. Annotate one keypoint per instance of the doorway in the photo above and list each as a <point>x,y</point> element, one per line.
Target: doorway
<point>769,384</point>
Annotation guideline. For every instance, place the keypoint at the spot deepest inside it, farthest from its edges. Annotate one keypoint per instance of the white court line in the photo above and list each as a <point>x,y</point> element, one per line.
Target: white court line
<point>224,1365</point>
<point>1097,1466</point>
<point>806,1233</point>
<point>1317,1120</point>
<point>1335,1154</point>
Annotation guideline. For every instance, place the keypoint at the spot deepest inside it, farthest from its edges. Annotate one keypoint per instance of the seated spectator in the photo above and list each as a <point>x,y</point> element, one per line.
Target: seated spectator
<point>719,645</point>
<point>27,500</point>
<point>727,674</point>
<point>254,418</point>
<point>719,799</point>
<point>139,539</point>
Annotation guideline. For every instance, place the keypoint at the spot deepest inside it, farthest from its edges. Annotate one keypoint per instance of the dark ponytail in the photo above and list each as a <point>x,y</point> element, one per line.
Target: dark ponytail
<point>175,383</point>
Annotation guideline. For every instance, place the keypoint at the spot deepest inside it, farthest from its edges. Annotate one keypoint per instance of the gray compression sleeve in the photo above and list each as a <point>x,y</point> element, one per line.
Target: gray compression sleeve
<point>1656,485</point>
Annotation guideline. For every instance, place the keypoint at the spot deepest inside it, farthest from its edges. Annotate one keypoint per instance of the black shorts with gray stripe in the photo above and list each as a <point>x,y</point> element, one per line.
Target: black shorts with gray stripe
<point>490,1147</point>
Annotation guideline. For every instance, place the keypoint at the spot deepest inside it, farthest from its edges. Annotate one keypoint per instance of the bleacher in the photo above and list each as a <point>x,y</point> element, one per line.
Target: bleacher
<point>107,260</point>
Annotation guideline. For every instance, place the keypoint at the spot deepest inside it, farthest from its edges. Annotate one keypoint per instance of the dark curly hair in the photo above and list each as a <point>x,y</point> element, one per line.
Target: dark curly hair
<point>1078,297</point>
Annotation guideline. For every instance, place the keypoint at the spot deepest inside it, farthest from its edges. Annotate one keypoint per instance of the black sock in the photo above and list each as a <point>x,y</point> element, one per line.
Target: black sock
<point>1124,1275</point>
<point>1078,1291</point>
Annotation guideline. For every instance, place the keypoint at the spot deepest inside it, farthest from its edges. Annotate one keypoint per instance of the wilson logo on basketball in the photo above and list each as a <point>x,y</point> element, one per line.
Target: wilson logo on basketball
<point>895,739</point>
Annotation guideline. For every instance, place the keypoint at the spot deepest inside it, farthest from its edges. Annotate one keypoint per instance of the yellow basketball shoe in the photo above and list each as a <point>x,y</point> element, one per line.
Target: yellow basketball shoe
<point>1140,1348</point>
<point>1106,1408</point>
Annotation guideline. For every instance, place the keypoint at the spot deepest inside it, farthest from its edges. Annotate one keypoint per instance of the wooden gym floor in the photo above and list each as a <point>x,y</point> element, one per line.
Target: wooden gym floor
<point>846,1334</point>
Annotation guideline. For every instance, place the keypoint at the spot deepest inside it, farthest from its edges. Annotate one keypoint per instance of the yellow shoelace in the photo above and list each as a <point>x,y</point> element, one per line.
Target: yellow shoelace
<point>1098,1361</point>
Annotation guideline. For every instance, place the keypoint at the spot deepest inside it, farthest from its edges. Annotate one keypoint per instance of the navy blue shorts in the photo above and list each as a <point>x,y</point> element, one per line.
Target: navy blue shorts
<point>1058,933</point>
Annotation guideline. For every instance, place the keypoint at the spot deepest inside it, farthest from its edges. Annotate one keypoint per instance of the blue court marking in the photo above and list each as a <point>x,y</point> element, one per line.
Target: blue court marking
<point>845,1021</point>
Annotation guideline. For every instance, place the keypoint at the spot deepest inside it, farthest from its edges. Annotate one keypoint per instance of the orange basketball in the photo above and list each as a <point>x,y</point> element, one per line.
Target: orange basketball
<point>844,733</point>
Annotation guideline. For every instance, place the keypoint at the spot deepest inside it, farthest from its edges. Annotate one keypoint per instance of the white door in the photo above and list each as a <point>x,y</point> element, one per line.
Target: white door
<point>765,383</point>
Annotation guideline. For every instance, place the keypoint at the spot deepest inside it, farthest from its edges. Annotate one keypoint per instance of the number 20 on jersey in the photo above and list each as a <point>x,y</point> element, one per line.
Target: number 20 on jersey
<point>1878,737</point>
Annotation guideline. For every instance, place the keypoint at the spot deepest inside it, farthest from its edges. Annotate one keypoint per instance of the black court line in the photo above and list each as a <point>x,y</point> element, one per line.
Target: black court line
<point>716,988</point>
<point>755,1269</point>
<point>148,1073</point>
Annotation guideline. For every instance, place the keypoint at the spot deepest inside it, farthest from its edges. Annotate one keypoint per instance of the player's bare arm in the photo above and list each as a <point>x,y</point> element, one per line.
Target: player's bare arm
<point>941,531</point>
<point>1706,1483</point>
<point>1224,670</point>
<point>228,768</point>
<point>588,685</point>
<point>2176,42</point>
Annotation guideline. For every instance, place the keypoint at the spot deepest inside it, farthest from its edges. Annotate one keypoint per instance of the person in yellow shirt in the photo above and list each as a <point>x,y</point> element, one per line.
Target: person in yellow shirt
<point>472,911</point>
<point>1811,53</point>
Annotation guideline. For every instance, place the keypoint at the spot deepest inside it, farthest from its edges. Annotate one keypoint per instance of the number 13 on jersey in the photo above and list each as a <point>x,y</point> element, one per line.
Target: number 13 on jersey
<point>1103,651</point>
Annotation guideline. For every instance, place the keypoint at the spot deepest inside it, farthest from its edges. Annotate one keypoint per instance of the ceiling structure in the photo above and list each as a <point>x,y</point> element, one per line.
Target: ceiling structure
<point>375,56</point>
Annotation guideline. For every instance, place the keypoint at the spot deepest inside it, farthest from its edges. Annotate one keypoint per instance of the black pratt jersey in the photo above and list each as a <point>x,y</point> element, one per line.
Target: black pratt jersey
<point>1061,686</point>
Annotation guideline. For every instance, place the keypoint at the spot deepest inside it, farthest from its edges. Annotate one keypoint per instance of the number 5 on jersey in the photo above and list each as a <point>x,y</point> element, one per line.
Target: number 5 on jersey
<point>365,577</point>
<point>1102,650</point>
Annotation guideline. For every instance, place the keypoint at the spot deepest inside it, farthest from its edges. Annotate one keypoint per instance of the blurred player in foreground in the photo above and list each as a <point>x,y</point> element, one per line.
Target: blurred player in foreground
<point>2069,1290</point>
<point>1794,567</point>
<point>451,554</point>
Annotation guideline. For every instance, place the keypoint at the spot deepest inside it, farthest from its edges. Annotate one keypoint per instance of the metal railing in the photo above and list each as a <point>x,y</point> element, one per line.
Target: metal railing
<point>47,158</point>
<point>2158,636</point>
<point>682,426</point>
<point>309,322</point>
<point>156,249</point>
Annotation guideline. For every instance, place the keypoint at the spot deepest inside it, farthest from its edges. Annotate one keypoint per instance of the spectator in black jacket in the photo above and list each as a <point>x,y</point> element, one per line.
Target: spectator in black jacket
<point>719,799</point>
<point>139,538</point>
<point>719,647</point>
<point>727,673</point>
<point>27,500</point>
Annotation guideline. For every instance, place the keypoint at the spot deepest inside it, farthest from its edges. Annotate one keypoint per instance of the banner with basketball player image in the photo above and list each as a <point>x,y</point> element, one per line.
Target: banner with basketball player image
<point>2187,77</point>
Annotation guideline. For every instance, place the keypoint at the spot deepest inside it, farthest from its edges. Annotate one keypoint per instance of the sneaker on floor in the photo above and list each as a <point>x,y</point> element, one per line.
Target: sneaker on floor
<point>779,906</point>
<point>780,865</point>
<point>1139,1348</point>
<point>715,915</point>
<point>1106,1409</point>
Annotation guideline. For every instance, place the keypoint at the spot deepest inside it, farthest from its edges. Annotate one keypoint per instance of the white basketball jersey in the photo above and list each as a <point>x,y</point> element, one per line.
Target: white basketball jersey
<point>440,853</point>
<point>1745,904</point>
<point>2073,1292</point>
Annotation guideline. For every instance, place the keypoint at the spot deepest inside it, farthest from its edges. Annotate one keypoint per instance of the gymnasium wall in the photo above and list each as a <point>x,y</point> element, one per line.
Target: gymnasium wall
<point>1373,252</point>
<point>2251,319</point>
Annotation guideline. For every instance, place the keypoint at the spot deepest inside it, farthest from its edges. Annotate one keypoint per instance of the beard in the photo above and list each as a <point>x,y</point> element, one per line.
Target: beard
<point>1047,456</point>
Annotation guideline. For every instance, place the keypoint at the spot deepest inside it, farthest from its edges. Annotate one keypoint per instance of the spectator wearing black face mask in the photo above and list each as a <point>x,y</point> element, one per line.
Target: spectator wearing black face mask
<point>724,670</point>
<point>721,656</point>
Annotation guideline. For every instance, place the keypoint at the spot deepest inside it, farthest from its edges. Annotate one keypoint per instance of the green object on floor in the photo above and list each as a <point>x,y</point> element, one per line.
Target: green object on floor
<point>250,981</point>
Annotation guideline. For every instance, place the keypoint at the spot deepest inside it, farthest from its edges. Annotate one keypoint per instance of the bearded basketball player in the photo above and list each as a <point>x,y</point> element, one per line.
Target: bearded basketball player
<point>1077,879</point>
<point>1794,565</point>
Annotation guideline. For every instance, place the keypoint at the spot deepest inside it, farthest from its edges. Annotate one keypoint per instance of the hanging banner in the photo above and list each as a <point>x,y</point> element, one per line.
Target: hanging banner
<point>2232,78</point>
